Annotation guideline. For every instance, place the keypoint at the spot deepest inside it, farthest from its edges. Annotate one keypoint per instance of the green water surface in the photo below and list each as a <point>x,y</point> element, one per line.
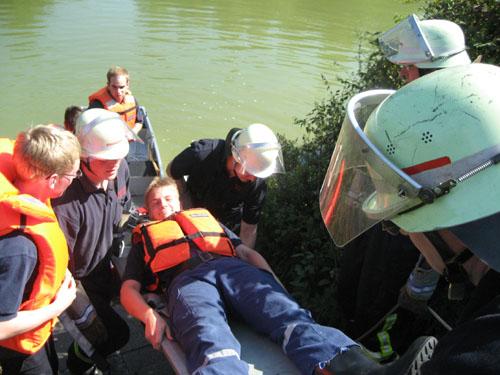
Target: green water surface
<point>199,67</point>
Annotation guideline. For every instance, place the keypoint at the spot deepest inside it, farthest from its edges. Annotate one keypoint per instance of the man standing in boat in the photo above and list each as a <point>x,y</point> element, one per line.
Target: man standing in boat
<point>117,97</point>
<point>89,214</point>
<point>228,176</point>
<point>35,286</point>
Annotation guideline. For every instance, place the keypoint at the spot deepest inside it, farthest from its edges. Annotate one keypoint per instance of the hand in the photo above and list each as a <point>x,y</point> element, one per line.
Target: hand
<point>156,328</point>
<point>66,293</point>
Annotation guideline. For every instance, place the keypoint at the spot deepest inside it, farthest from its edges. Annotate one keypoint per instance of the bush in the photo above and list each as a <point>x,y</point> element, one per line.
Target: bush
<point>291,234</point>
<point>479,19</point>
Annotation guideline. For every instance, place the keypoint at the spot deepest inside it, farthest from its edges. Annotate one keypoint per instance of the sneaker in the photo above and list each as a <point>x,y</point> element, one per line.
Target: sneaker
<point>356,361</point>
<point>422,349</point>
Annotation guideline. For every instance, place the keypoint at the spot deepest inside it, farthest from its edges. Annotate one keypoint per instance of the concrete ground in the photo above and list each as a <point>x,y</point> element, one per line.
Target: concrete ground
<point>137,357</point>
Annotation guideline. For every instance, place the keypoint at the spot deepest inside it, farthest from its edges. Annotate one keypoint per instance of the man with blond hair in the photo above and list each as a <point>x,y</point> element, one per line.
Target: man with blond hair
<point>207,273</point>
<point>117,97</point>
<point>35,286</point>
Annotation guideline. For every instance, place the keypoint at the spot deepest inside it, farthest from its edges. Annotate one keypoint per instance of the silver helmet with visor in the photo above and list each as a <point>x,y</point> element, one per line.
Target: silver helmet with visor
<point>426,44</point>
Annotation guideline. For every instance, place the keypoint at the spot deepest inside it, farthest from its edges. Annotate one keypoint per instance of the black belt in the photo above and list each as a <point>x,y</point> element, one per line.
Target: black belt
<point>193,262</point>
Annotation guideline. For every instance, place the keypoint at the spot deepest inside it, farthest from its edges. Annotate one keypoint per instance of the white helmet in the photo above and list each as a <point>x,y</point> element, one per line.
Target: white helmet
<point>257,149</point>
<point>102,134</point>
<point>428,44</point>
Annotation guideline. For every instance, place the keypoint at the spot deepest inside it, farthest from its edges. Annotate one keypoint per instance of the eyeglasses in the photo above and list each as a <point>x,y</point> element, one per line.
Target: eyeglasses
<point>78,174</point>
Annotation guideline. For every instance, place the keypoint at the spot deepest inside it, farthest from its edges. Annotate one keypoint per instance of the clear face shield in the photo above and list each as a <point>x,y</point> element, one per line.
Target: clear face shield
<point>405,43</point>
<point>362,187</point>
<point>260,159</point>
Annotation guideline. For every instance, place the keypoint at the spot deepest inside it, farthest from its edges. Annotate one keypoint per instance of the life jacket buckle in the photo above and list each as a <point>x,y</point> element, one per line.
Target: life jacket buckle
<point>206,256</point>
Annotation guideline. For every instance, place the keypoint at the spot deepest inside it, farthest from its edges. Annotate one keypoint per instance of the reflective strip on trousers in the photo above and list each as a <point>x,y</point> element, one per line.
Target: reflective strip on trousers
<point>286,336</point>
<point>219,354</point>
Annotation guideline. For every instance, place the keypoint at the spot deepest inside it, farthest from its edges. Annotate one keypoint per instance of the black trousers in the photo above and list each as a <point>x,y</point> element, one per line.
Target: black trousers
<point>473,347</point>
<point>43,362</point>
<point>101,286</point>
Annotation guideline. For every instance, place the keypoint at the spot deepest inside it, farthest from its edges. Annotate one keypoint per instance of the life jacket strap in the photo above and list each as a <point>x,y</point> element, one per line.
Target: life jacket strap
<point>193,262</point>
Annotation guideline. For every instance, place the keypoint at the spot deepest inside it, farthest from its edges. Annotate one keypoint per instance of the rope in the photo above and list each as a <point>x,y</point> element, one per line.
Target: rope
<point>364,335</point>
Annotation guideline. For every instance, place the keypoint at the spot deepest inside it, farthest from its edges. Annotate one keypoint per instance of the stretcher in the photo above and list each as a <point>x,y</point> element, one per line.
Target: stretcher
<point>262,355</point>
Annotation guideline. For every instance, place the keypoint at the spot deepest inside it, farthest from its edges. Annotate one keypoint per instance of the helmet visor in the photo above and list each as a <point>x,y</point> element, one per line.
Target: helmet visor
<point>362,187</point>
<point>405,43</point>
<point>260,159</point>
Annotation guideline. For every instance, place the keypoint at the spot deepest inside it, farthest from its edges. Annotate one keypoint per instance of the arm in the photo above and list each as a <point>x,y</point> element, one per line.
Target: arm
<point>474,267</point>
<point>134,303</point>
<point>27,320</point>
<point>252,209</point>
<point>181,188</point>
<point>254,258</point>
<point>427,249</point>
<point>138,123</point>
<point>137,127</point>
<point>181,183</point>
<point>248,233</point>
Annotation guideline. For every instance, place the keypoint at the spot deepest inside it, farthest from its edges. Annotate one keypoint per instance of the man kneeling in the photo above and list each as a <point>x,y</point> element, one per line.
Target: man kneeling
<point>206,271</point>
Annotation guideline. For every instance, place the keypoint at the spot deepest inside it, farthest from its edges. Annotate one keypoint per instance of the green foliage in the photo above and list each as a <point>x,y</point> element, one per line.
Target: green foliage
<point>291,234</point>
<point>479,19</point>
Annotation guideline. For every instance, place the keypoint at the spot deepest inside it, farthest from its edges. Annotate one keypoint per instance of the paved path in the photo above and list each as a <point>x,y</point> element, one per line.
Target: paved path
<point>137,357</point>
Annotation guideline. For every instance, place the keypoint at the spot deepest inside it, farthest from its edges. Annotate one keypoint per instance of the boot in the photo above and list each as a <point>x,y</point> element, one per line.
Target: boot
<point>356,362</point>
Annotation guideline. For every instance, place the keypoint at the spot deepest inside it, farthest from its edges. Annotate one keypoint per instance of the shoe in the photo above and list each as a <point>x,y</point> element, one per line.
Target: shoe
<point>356,361</point>
<point>419,352</point>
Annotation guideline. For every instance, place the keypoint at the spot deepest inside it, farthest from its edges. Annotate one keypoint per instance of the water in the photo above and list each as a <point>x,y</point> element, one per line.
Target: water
<point>199,67</point>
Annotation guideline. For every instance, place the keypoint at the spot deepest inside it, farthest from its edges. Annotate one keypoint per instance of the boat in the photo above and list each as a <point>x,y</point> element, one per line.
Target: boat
<point>145,163</point>
<point>144,159</point>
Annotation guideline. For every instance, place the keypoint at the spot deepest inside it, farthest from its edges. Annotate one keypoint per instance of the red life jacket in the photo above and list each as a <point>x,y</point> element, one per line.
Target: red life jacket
<point>167,242</point>
<point>127,110</point>
<point>36,219</point>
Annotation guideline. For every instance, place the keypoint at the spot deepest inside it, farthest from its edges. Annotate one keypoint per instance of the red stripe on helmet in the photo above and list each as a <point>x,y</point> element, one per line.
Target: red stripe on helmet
<point>431,164</point>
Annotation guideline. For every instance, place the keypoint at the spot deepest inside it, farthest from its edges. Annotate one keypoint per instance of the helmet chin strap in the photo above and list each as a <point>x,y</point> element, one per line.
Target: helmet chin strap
<point>96,181</point>
<point>86,163</point>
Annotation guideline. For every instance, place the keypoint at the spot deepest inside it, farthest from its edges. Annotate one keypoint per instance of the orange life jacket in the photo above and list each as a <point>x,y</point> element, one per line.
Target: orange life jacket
<point>167,243</point>
<point>127,110</point>
<point>36,219</point>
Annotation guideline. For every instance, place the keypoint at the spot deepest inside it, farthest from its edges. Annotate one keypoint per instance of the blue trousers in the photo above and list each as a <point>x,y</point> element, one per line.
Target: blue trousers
<point>199,299</point>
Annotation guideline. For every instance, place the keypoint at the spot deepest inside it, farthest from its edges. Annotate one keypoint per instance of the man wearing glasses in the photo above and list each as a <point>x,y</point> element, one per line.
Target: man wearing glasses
<point>35,285</point>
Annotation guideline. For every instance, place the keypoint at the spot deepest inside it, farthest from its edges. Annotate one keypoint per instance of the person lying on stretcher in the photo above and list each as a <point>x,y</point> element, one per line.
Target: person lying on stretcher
<point>205,273</point>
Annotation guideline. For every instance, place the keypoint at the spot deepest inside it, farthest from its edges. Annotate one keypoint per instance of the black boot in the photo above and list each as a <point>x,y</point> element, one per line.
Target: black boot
<point>356,362</point>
